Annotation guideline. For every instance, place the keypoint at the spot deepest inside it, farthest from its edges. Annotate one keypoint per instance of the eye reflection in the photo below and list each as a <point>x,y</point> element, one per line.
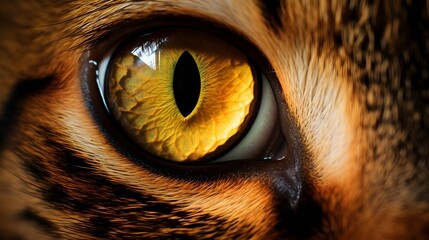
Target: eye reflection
<point>149,53</point>
<point>185,96</point>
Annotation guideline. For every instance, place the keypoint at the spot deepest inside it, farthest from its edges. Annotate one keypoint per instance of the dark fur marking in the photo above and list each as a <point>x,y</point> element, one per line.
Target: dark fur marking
<point>56,194</point>
<point>272,11</point>
<point>100,226</point>
<point>402,86</point>
<point>36,171</point>
<point>71,184</point>
<point>100,199</point>
<point>24,88</point>
<point>29,215</point>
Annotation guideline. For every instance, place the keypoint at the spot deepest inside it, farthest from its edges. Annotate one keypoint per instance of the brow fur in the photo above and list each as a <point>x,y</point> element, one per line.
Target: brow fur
<point>353,76</point>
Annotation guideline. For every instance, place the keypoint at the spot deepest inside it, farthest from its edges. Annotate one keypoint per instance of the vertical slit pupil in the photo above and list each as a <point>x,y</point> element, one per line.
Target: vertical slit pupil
<point>186,83</point>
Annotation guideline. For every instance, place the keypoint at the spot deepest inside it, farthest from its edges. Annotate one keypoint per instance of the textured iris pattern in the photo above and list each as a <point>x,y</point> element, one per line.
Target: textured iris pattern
<point>140,94</point>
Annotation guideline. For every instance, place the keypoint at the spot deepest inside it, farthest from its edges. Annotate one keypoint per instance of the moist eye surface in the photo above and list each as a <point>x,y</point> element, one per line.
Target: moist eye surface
<point>181,94</point>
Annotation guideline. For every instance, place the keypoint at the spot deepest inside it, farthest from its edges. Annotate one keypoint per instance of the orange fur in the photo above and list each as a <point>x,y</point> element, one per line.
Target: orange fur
<point>365,165</point>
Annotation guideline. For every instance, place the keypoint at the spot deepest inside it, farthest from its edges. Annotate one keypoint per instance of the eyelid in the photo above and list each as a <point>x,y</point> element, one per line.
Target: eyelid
<point>140,89</point>
<point>102,71</point>
<point>107,49</point>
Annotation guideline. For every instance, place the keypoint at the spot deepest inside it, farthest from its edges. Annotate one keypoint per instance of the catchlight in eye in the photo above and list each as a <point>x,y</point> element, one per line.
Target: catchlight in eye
<point>187,95</point>
<point>181,96</point>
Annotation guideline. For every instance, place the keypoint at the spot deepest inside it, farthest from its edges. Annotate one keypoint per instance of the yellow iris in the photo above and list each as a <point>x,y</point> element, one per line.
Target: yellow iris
<point>141,96</point>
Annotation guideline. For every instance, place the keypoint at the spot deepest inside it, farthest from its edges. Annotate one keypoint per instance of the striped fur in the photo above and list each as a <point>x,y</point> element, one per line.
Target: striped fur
<point>353,75</point>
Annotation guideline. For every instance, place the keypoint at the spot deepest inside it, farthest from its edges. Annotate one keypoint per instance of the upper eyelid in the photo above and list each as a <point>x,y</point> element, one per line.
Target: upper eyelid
<point>109,36</point>
<point>95,25</point>
<point>96,32</point>
<point>125,29</point>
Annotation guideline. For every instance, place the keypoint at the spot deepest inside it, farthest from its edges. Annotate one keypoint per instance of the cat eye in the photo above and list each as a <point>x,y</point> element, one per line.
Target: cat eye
<point>186,95</point>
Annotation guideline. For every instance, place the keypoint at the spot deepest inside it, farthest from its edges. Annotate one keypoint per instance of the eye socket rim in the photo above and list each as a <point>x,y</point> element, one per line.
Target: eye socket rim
<point>103,118</point>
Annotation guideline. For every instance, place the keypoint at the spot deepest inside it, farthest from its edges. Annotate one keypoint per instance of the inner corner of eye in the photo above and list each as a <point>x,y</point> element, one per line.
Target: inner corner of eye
<point>188,99</point>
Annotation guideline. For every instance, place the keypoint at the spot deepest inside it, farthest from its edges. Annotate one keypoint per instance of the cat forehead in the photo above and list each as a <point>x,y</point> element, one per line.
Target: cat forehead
<point>77,23</point>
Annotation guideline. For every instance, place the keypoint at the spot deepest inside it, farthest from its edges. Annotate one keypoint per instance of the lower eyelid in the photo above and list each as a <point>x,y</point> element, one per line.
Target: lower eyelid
<point>262,140</point>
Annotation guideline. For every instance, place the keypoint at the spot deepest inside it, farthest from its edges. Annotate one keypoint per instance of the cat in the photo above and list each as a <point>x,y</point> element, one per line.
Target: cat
<point>351,81</point>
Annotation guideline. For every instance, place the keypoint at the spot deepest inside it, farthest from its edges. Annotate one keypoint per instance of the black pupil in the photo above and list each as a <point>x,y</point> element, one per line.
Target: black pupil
<point>186,83</point>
